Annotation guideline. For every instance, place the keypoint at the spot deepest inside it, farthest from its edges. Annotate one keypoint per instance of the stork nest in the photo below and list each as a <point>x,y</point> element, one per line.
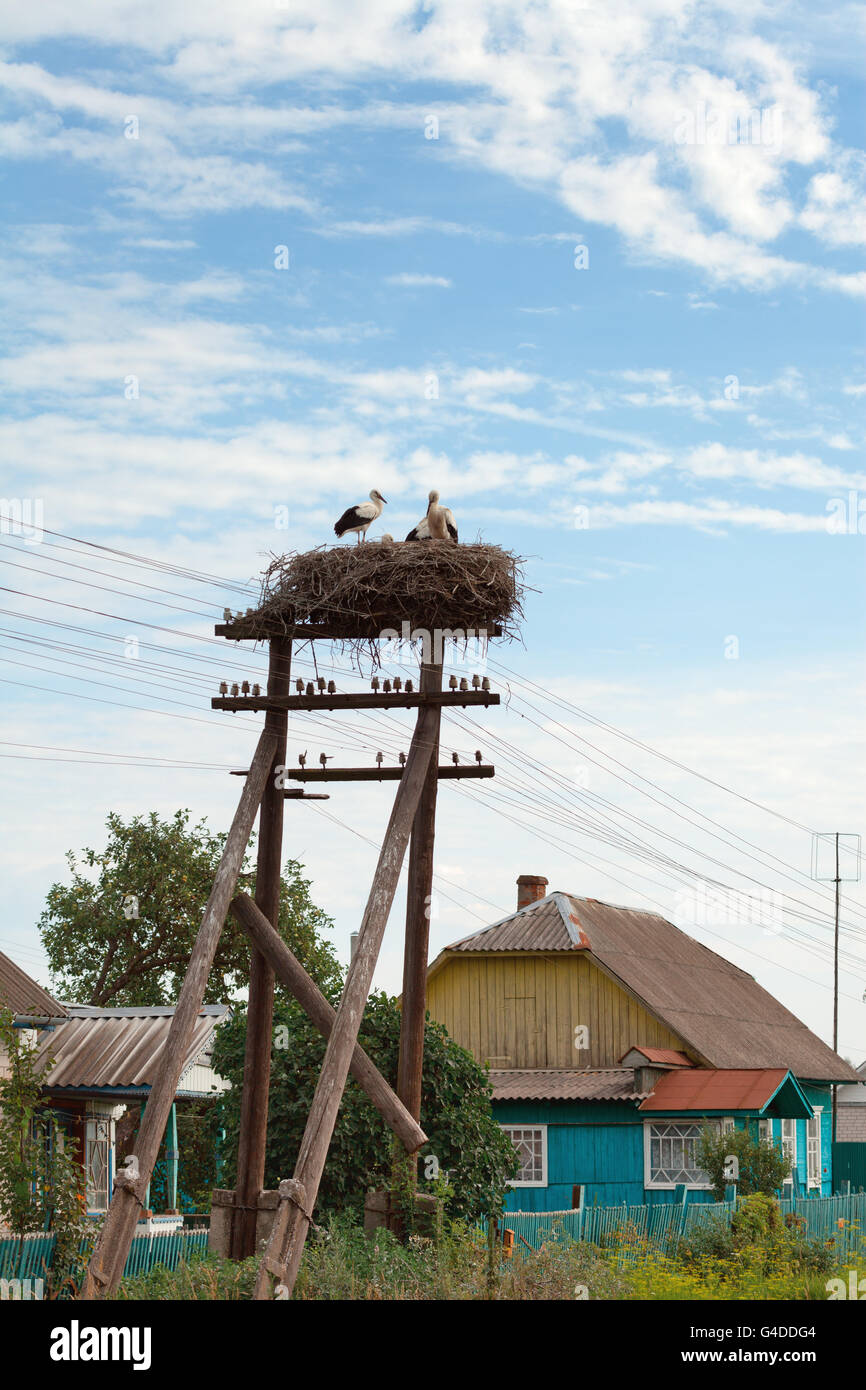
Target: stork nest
<point>359,591</point>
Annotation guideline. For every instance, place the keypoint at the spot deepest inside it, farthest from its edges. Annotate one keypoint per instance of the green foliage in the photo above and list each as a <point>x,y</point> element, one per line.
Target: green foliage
<point>456,1114</point>
<point>763,1166</point>
<point>755,1237</point>
<point>164,871</point>
<point>40,1179</point>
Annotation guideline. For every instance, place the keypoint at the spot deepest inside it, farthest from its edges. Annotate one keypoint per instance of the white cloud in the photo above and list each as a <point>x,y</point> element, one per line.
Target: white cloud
<point>410,280</point>
<point>713,515</point>
<point>542,94</point>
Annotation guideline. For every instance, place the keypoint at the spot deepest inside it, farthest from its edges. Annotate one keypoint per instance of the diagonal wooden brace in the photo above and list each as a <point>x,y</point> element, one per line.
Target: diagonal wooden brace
<point>291,973</point>
<point>344,1035</point>
<point>112,1246</point>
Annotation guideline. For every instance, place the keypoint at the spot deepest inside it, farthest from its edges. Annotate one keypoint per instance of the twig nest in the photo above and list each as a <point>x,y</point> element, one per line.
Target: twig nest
<point>357,591</point>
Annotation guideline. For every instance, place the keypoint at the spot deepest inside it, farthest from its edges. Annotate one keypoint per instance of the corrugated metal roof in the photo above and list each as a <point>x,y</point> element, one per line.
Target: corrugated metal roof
<point>606,1083</point>
<point>717,1009</point>
<point>22,995</point>
<point>118,1047</point>
<point>538,927</point>
<point>700,1090</point>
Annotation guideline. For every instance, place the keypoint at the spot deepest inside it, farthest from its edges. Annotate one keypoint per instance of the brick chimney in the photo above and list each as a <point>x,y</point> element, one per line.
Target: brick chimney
<point>530,889</point>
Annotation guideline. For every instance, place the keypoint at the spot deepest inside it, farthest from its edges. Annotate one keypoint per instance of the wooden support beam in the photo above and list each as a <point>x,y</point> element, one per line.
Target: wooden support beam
<point>253,1131</point>
<point>447,772</point>
<point>344,1035</point>
<point>258,628</point>
<point>418,899</point>
<point>291,973</point>
<point>414,700</point>
<point>112,1245</point>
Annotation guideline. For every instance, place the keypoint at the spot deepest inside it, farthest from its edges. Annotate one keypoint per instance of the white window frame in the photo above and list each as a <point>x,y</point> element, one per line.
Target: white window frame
<point>789,1147</point>
<point>98,1132</point>
<point>765,1130</point>
<point>724,1124</point>
<point>813,1171</point>
<point>536,1129</point>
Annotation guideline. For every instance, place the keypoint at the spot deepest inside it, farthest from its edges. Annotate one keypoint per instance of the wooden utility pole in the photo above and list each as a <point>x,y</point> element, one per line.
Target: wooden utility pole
<point>418,907</point>
<point>112,1246</point>
<point>253,1132</point>
<point>341,1044</point>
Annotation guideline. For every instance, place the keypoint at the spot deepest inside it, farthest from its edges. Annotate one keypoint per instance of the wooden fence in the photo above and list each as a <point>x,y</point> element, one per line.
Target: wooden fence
<point>631,1229</point>
<point>166,1248</point>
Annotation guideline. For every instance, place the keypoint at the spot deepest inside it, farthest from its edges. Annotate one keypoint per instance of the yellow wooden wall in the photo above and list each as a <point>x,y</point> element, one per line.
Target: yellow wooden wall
<point>520,1010</point>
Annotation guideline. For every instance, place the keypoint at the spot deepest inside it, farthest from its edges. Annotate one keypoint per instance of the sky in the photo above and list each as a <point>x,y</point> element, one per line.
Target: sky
<point>594,272</point>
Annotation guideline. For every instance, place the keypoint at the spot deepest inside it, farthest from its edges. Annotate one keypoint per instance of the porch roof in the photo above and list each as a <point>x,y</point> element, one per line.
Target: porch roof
<point>773,1091</point>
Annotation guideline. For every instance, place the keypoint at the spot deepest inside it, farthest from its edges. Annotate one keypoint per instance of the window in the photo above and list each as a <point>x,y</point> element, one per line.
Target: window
<point>96,1161</point>
<point>813,1150</point>
<point>789,1145</point>
<point>765,1130</point>
<point>530,1141</point>
<point>670,1154</point>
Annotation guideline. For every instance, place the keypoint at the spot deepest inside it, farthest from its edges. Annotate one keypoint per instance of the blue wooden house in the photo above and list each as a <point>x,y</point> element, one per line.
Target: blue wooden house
<point>102,1065</point>
<point>611,1037</point>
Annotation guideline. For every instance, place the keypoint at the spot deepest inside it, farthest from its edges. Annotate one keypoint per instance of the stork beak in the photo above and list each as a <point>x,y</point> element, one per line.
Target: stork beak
<point>383,499</point>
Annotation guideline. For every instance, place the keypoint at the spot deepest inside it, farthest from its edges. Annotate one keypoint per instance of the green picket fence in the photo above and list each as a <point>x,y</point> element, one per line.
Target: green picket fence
<point>166,1248</point>
<point>841,1219</point>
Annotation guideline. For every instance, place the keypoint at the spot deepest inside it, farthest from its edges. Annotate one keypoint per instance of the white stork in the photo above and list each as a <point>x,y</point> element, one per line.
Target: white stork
<point>360,518</point>
<point>438,524</point>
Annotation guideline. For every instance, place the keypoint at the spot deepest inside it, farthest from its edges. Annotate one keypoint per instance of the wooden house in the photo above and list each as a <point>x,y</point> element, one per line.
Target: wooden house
<point>104,1061</point>
<point>611,1036</point>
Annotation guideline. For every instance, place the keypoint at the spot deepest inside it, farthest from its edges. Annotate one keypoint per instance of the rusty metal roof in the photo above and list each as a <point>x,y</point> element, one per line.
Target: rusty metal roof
<point>23,996</point>
<point>739,1089</point>
<point>118,1047</point>
<point>604,1083</point>
<point>718,1010</point>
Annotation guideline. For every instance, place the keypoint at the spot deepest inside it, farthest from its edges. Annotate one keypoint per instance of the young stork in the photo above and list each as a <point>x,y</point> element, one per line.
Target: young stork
<point>360,518</point>
<point>438,524</point>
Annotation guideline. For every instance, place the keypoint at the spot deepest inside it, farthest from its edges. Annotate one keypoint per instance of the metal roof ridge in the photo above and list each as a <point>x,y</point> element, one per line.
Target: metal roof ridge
<point>571,921</point>
<point>520,912</point>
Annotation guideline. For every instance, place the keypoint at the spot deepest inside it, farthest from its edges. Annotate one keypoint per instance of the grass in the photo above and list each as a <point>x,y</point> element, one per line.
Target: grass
<point>342,1264</point>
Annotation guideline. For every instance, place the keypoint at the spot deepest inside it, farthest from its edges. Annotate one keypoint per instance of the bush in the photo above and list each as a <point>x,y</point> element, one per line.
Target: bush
<point>755,1237</point>
<point>763,1166</point>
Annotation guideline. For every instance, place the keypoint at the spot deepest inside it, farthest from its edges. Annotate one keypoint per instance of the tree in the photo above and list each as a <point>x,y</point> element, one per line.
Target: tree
<point>122,931</point>
<point>763,1167</point>
<point>464,1139</point>
<point>41,1181</point>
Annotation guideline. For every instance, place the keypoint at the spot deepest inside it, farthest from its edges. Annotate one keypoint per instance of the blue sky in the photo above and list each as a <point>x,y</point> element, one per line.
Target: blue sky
<point>666,429</point>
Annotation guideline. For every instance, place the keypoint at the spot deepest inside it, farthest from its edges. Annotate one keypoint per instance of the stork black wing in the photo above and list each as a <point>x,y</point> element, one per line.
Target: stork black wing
<point>348,521</point>
<point>452,530</point>
<point>413,534</point>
